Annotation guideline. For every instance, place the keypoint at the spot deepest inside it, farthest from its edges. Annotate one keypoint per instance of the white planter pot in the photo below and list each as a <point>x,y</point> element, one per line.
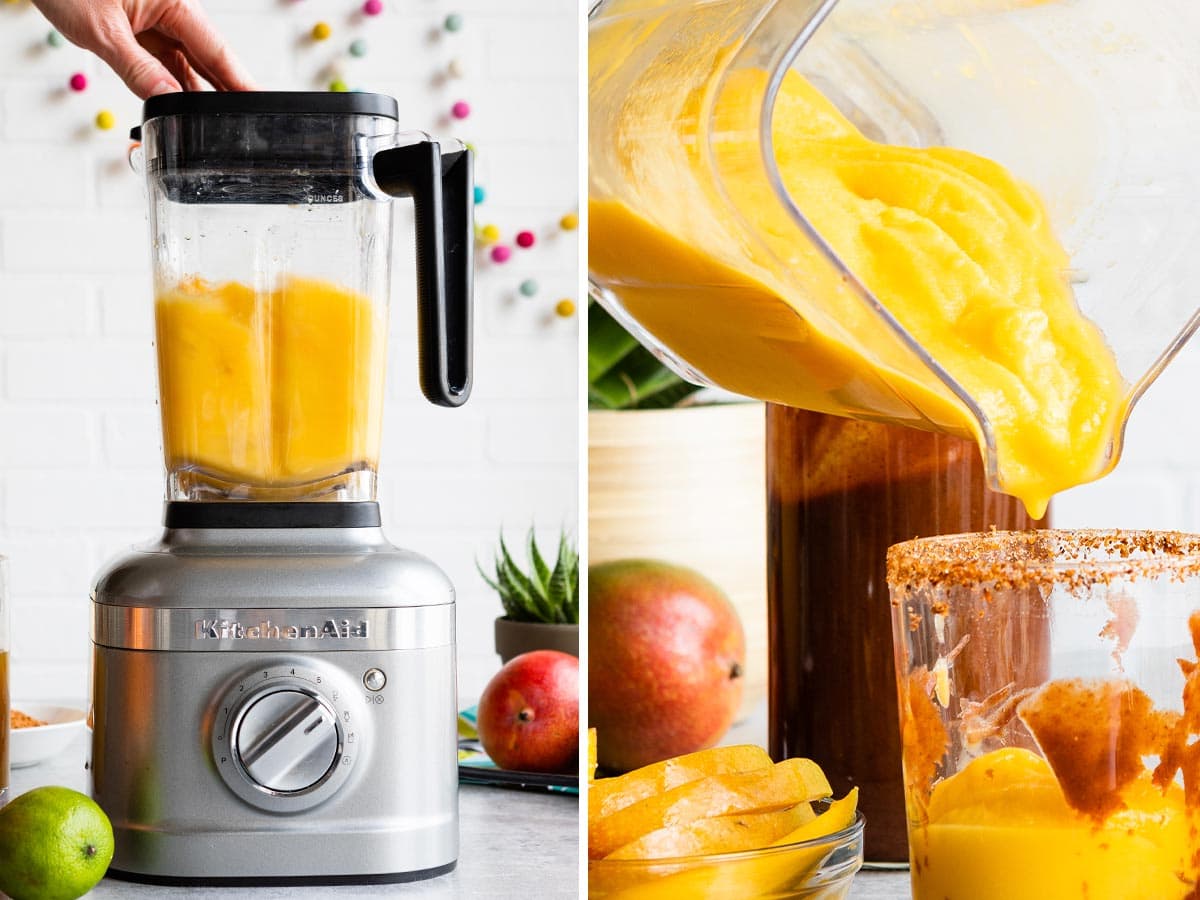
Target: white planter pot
<point>688,486</point>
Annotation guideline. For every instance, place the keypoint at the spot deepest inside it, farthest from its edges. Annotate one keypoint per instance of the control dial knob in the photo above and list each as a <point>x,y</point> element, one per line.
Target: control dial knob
<point>287,741</point>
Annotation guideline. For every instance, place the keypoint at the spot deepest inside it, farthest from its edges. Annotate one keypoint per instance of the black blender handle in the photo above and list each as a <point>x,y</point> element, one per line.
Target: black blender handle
<point>442,189</point>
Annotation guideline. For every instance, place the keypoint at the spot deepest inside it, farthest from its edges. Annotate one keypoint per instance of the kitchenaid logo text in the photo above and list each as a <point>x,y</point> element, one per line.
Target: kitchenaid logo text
<point>229,629</point>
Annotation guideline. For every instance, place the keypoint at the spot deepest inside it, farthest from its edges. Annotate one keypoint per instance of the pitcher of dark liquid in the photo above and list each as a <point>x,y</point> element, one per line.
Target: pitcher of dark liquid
<point>839,493</point>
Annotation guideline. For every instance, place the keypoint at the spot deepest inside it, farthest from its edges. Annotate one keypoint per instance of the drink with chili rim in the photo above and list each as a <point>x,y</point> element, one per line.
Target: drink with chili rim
<point>1047,685</point>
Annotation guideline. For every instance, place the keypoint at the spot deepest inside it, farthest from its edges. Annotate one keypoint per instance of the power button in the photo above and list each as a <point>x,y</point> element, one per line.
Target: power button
<point>374,679</point>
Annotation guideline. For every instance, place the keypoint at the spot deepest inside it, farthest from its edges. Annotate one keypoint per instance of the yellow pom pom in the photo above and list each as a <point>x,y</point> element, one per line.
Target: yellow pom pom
<point>565,308</point>
<point>321,31</point>
<point>569,222</point>
<point>105,120</point>
<point>490,233</point>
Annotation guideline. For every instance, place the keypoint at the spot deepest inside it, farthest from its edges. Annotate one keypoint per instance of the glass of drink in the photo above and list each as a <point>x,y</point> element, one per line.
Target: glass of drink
<point>4,700</point>
<point>1049,693</point>
<point>840,492</point>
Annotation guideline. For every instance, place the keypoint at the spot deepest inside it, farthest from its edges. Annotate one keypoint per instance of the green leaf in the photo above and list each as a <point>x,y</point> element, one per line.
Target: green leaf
<point>541,571</point>
<point>565,575</point>
<point>669,397</point>
<point>532,586</point>
<point>573,589</point>
<point>608,342</point>
<point>638,382</point>
<point>600,400</point>
<point>518,602</point>
<point>538,603</point>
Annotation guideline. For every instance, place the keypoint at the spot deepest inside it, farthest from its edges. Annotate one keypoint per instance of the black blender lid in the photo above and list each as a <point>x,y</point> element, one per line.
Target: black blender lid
<point>216,103</point>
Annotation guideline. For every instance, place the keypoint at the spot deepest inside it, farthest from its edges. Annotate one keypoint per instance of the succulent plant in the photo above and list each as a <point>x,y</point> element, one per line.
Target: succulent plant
<point>544,594</point>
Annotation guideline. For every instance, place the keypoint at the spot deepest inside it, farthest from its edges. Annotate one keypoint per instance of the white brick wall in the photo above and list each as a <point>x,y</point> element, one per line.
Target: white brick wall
<point>80,468</point>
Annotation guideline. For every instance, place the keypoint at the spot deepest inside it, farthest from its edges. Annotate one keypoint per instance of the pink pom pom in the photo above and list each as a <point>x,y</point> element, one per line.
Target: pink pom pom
<point>373,7</point>
<point>525,239</point>
<point>500,253</point>
<point>78,81</point>
<point>461,109</point>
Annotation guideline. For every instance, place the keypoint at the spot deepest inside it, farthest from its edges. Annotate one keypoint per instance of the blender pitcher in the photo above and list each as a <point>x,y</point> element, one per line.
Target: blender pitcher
<point>271,228</point>
<point>1092,106</point>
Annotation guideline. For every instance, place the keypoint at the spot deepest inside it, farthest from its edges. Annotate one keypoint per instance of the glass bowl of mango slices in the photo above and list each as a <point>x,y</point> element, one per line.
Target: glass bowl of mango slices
<point>721,824</point>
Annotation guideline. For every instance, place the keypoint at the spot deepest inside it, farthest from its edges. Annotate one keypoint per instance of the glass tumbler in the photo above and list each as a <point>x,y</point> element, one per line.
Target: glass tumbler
<point>1049,693</point>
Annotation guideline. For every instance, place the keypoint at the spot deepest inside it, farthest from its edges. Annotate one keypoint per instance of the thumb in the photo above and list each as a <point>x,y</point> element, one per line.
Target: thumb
<point>137,67</point>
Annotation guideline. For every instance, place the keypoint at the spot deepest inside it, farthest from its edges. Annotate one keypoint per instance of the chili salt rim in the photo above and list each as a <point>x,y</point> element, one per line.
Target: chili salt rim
<point>1044,559</point>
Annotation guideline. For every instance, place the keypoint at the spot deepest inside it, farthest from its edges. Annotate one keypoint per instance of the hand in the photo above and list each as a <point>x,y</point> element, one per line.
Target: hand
<point>156,46</point>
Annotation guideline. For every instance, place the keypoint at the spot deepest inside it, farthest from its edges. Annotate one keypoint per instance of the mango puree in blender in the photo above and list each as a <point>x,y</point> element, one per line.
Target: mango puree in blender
<point>269,388</point>
<point>958,250</point>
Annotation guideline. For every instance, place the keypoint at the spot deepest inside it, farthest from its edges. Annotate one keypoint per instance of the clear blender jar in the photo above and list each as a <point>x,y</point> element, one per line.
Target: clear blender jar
<point>1092,107</point>
<point>271,227</point>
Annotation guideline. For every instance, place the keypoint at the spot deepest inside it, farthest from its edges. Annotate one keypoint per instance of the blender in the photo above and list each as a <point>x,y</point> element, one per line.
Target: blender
<point>741,281</point>
<point>273,681</point>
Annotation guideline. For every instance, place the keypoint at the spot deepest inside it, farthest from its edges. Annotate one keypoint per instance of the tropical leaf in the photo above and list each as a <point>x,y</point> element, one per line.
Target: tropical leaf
<point>622,374</point>
<point>608,342</point>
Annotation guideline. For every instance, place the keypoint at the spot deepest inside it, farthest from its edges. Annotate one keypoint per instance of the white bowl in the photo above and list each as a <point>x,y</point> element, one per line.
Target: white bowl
<point>30,746</point>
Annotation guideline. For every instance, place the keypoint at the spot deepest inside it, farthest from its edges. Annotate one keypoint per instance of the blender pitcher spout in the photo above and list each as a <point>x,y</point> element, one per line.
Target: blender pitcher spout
<point>440,184</point>
<point>958,217</point>
<point>136,157</point>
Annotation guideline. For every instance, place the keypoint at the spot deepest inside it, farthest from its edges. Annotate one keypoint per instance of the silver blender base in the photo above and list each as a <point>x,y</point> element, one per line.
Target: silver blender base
<point>275,706</point>
<point>282,881</point>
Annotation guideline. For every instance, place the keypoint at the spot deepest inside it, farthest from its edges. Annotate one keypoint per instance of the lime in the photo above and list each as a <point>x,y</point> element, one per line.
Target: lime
<point>55,844</point>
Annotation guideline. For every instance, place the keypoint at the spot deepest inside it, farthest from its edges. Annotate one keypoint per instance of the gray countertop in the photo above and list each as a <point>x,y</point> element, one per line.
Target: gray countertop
<point>515,844</point>
<point>881,886</point>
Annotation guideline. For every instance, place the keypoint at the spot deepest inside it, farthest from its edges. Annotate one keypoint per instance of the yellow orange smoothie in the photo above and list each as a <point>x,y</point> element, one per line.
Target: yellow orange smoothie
<point>1007,806</point>
<point>270,388</point>
<point>958,250</point>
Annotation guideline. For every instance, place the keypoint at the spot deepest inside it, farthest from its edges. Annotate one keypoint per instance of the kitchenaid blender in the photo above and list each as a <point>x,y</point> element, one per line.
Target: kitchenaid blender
<point>273,681</point>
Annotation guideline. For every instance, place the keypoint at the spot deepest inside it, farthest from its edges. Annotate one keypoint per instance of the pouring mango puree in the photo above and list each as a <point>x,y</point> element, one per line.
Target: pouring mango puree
<point>955,248</point>
<point>270,388</point>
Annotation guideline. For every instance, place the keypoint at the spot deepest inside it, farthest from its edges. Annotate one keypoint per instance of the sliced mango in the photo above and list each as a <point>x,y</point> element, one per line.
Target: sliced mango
<point>719,834</point>
<point>838,816</point>
<point>611,794</point>
<point>781,873</point>
<point>777,787</point>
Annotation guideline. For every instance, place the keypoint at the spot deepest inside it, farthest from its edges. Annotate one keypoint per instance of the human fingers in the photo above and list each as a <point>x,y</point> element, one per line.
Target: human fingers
<point>206,50</point>
<point>171,55</point>
<point>142,72</point>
